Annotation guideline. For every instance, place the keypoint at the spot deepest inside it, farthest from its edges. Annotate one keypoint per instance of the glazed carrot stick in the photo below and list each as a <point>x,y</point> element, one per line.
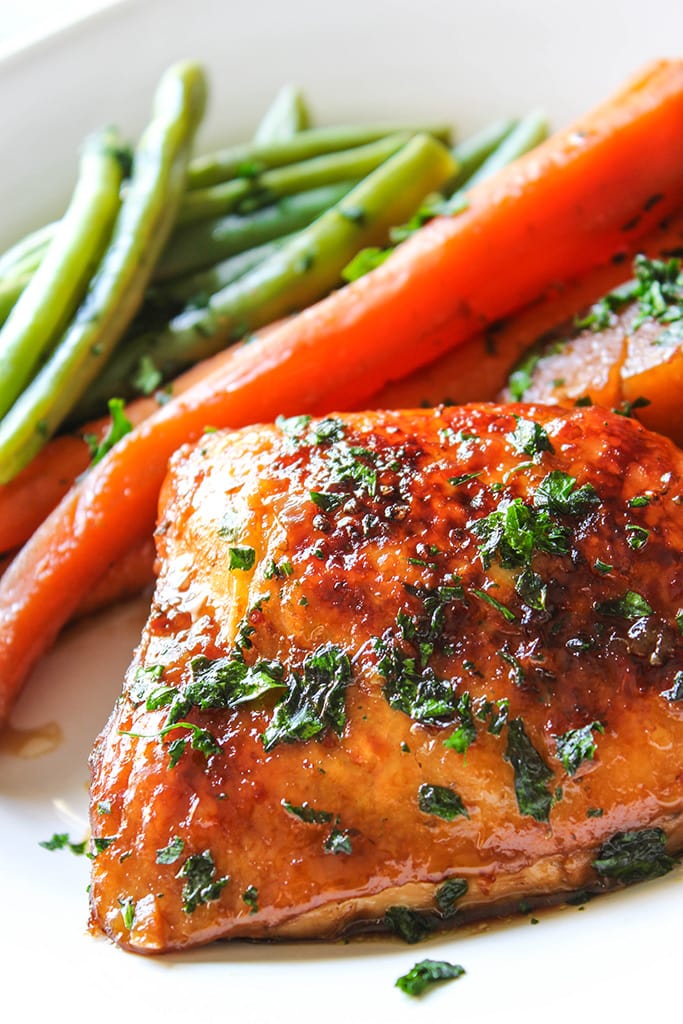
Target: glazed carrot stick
<point>478,370</point>
<point>553,214</point>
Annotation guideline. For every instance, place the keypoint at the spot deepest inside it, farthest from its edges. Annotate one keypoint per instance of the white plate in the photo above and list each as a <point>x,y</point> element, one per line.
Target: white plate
<point>616,960</point>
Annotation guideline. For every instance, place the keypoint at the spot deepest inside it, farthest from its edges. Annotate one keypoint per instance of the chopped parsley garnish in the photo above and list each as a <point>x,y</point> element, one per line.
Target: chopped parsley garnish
<point>634,856</point>
<point>507,613</point>
<point>425,630</point>
<point>513,662</point>
<point>630,606</point>
<point>532,590</point>
<point>61,841</point>
<point>338,841</point>
<point>419,693</point>
<point>628,408</point>
<point>637,536</point>
<point>127,911</point>
<point>242,558</point>
<point>119,427</point>
<point>530,438</point>
<point>464,478</point>
<point>448,894</point>
<point>293,427</point>
<point>231,524</point>
<point>328,502</point>
<point>349,465</point>
<point>577,745</point>
<point>558,493</point>
<point>497,713</point>
<point>513,531</point>
<point>521,378</point>
<point>279,570</point>
<point>308,814</point>
<point>145,681</point>
<point>603,567</point>
<point>365,261</point>
<point>170,854</point>
<point>201,884</point>
<point>532,774</point>
<point>327,431</point>
<point>102,843</point>
<point>227,682</point>
<point>440,801</point>
<point>427,973</point>
<point>466,733</point>
<point>147,376</point>
<point>315,701</point>
<point>659,289</point>
<point>250,897</point>
<point>640,501</point>
<point>409,925</point>
<point>201,740</point>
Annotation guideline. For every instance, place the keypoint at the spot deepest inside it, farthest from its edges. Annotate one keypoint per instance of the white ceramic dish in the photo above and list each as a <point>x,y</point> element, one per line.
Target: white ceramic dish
<point>617,959</point>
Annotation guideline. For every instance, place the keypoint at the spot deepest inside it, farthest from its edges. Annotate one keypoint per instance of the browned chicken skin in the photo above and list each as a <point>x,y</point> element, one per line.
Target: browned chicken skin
<point>429,663</point>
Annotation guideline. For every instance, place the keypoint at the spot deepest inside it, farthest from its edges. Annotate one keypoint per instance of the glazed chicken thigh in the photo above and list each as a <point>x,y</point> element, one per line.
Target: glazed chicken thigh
<point>400,669</point>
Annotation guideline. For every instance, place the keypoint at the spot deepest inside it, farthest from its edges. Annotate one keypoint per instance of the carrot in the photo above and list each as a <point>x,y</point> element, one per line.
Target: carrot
<point>478,369</point>
<point>549,216</point>
<point>31,496</point>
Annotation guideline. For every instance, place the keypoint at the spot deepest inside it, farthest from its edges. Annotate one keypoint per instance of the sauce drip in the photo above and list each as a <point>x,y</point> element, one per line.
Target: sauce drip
<point>30,743</point>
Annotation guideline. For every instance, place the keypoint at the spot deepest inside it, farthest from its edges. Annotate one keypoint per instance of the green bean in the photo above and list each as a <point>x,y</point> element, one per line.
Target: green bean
<point>473,150</point>
<point>205,243</point>
<point>287,115</point>
<point>13,260</point>
<point>303,271</point>
<point>10,290</point>
<point>264,189</point>
<point>51,297</point>
<point>117,289</point>
<point>531,130</point>
<point>248,159</point>
<point>196,288</point>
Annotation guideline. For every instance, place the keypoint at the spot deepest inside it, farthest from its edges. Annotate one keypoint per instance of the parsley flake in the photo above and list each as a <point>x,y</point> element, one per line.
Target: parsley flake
<point>201,885</point>
<point>315,701</point>
<point>119,427</point>
<point>634,856</point>
<point>170,853</point>
<point>241,558</point>
<point>630,606</point>
<point>427,973</point>
<point>448,894</point>
<point>409,925</point>
<point>558,493</point>
<point>308,814</point>
<point>577,745</point>
<point>530,438</point>
<point>531,773</point>
<point>440,801</point>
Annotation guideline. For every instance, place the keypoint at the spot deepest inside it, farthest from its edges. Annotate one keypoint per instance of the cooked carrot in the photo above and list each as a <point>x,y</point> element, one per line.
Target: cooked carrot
<point>28,499</point>
<point>549,216</point>
<point>478,369</point>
